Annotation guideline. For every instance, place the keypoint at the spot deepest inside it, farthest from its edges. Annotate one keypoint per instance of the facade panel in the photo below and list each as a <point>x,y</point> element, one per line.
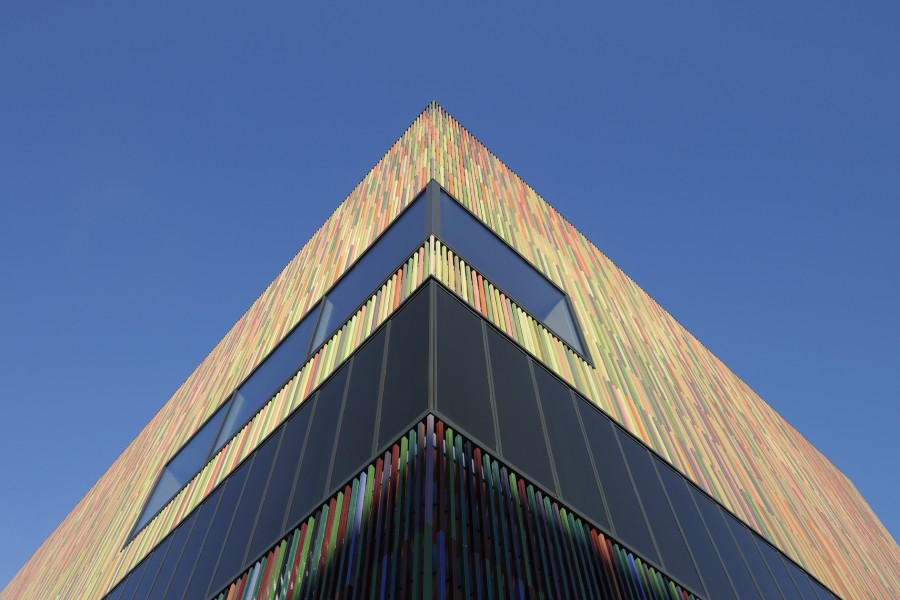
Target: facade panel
<point>617,351</point>
<point>480,528</point>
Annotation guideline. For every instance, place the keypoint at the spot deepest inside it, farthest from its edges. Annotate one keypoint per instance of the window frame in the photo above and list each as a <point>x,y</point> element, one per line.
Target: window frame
<point>576,327</point>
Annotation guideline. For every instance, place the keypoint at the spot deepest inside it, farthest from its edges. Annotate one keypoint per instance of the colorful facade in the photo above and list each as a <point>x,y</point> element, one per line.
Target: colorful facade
<point>763,514</point>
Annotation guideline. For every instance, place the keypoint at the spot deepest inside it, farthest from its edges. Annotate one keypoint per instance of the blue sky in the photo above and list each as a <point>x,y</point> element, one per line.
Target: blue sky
<point>158,168</point>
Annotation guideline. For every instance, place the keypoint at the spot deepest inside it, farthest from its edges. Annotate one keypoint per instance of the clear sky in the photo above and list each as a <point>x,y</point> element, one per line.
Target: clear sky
<point>159,168</point>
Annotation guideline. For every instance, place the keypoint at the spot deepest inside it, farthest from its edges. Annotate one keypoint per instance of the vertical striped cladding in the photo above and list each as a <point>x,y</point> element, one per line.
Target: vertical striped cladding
<point>648,373</point>
<point>338,348</point>
<point>663,385</point>
<point>491,534</point>
<point>482,295</point>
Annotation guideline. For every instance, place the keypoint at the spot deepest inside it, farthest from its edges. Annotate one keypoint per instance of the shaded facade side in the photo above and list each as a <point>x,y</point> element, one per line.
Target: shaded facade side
<point>449,508</point>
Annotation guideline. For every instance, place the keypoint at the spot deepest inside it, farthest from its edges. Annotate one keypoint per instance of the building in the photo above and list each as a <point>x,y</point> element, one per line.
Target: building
<point>450,391</point>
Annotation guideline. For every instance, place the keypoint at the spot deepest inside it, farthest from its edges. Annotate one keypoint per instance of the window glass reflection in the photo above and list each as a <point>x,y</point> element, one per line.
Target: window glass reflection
<point>495,260</point>
<point>189,460</point>
<point>392,248</point>
<point>574,471</point>
<point>281,482</point>
<point>357,431</point>
<point>165,488</point>
<point>268,378</point>
<point>242,408</point>
<point>319,448</point>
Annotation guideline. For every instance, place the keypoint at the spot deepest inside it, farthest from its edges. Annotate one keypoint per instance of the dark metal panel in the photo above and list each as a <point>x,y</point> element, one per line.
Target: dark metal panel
<point>779,571</point>
<point>628,521</point>
<point>310,487</point>
<point>405,394</point>
<point>133,580</point>
<point>151,569</point>
<point>758,568</point>
<point>803,581</point>
<point>270,521</point>
<point>234,546</point>
<point>734,563</point>
<point>574,472</point>
<point>208,556</point>
<point>463,392</point>
<point>522,441</point>
<point>660,516</point>
<point>354,446</point>
<point>173,557</point>
<point>194,546</point>
<point>704,552</point>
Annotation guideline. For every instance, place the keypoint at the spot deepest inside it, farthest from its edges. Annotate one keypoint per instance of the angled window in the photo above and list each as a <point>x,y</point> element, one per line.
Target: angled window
<point>182,468</point>
<point>377,264</point>
<point>491,257</point>
<point>433,212</point>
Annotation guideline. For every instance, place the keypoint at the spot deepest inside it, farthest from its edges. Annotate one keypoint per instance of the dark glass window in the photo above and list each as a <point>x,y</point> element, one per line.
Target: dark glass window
<point>310,486</point>
<point>281,482</point>
<point>268,378</point>
<point>463,394</point>
<point>731,556</point>
<point>383,258</point>
<point>488,254</point>
<point>193,456</point>
<point>405,394</point>
<point>354,444</point>
<point>522,440</point>
<point>157,592</point>
<point>235,545</point>
<point>577,484</point>
<point>271,374</point>
<point>242,408</point>
<point>702,549</point>
<point>747,544</point>
<point>672,548</point>
<point>182,468</point>
<point>218,529</point>
<point>193,547</point>
<point>134,579</point>
<point>824,593</point>
<point>804,583</point>
<point>628,448</point>
<point>778,570</point>
<point>150,571</point>
<point>624,510</point>
<point>167,486</point>
<point>116,593</point>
